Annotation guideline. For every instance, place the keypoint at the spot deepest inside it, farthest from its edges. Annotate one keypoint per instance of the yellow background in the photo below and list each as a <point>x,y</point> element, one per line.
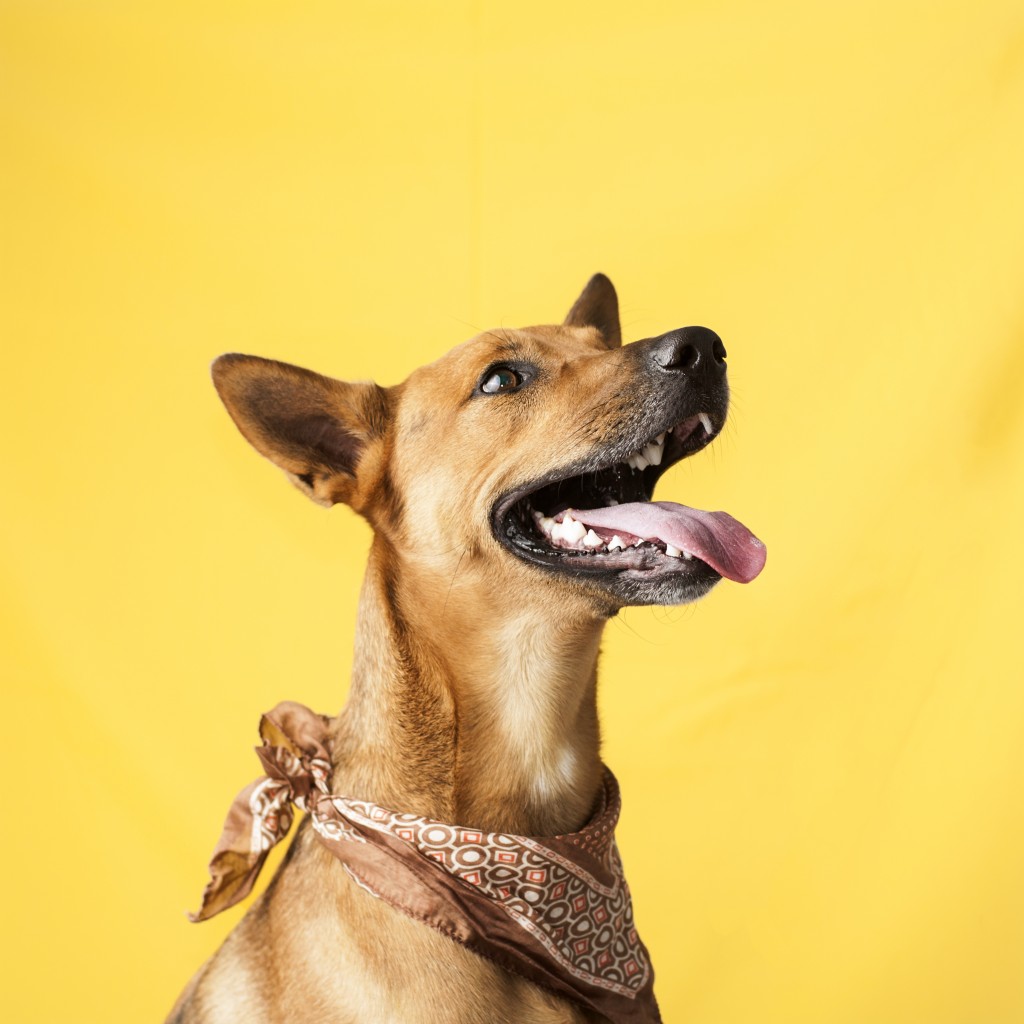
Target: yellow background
<point>823,771</point>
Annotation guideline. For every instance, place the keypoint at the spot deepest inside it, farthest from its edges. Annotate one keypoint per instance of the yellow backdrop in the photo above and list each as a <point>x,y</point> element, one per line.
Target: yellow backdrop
<point>822,771</point>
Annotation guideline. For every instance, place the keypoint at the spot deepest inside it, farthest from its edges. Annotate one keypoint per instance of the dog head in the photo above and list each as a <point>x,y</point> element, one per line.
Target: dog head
<point>528,455</point>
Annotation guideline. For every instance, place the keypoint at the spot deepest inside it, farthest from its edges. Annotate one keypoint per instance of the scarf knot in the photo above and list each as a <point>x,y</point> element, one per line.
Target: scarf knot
<point>297,762</point>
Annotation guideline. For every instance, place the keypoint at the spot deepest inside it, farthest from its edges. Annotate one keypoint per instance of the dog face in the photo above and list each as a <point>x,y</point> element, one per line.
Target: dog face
<point>530,455</point>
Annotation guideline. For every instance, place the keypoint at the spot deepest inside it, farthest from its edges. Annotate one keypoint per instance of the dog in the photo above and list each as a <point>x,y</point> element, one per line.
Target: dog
<point>509,488</point>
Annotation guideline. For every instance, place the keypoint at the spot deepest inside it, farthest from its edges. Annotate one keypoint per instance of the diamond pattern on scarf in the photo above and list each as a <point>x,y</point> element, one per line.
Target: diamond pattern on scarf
<point>583,922</point>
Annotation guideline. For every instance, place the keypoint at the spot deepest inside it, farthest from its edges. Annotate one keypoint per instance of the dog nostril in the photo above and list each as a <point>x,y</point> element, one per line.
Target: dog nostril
<point>687,358</point>
<point>718,351</point>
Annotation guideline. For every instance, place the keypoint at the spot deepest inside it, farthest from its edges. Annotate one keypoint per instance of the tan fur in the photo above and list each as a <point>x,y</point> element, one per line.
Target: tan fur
<point>473,690</point>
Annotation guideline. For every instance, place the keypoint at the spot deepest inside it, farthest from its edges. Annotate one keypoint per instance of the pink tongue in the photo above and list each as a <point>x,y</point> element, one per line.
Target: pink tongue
<point>714,537</point>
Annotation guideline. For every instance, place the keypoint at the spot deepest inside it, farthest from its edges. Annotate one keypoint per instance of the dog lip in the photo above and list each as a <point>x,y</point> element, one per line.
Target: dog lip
<point>643,566</point>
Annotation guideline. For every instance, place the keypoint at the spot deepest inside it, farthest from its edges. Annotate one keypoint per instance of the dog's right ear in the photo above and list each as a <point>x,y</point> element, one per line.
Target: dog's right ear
<point>598,306</point>
<point>315,428</point>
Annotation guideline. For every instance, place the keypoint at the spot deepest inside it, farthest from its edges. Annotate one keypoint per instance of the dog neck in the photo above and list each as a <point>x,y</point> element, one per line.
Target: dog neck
<point>469,706</point>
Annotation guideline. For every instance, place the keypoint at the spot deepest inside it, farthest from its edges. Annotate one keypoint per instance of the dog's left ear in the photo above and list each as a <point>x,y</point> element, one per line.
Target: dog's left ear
<point>317,429</point>
<point>598,306</point>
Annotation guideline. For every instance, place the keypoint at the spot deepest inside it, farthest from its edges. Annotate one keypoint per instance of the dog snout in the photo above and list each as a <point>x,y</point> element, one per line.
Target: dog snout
<point>695,352</point>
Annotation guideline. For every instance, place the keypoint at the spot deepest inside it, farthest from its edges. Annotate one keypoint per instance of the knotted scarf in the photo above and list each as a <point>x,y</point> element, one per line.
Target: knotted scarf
<point>555,910</point>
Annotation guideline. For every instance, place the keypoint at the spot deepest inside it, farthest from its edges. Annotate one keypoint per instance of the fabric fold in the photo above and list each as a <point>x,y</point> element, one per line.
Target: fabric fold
<point>297,763</point>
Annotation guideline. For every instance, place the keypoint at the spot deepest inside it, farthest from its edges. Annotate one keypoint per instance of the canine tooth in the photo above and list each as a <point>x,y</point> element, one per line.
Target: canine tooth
<point>687,554</point>
<point>653,453</point>
<point>546,524</point>
<point>638,461</point>
<point>660,439</point>
<point>591,540</point>
<point>615,544</point>
<point>674,552</point>
<point>705,420</point>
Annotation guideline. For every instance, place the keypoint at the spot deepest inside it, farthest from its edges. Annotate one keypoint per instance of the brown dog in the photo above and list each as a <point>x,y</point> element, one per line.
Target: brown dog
<point>473,692</point>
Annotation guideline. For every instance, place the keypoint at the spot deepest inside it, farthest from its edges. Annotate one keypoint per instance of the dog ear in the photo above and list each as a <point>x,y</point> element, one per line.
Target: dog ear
<point>314,428</point>
<point>598,306</point>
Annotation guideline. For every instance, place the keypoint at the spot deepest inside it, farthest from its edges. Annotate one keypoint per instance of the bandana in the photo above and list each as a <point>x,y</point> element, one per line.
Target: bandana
<point>555,910</point>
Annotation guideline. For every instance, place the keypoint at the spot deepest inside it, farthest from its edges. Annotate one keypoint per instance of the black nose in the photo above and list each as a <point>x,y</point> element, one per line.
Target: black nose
<point>693,351</point>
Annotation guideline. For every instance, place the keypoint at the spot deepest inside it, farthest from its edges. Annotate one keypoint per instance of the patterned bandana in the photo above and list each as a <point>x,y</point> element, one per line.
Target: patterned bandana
<point>555,910</point>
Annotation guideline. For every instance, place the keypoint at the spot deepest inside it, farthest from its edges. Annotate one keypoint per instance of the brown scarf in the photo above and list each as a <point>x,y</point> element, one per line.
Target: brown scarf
<point>555,910</point>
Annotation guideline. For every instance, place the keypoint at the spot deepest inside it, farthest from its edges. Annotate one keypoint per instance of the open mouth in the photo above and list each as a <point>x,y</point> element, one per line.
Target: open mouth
<point>600,518</point>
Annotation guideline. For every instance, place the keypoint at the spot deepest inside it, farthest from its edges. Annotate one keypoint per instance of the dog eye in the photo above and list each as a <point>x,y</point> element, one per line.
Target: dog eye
<point>502,378</point>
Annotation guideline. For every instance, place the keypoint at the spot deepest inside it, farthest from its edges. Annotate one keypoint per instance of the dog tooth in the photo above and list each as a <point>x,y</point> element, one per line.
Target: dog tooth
<point>615,544</point>
<point>653,453</point>
<point>572,531</point>
<point>576,532</point>
<point>660,439</point>
<point>639,462</point>
<point>687,554</point>
<point>592,540</point>
<point>674,552</point>
<point>705,419</point>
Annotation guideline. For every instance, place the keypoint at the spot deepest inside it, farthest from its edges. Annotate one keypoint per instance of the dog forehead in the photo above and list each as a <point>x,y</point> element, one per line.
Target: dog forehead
<point>543,345</point>
<point>439,394</point>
